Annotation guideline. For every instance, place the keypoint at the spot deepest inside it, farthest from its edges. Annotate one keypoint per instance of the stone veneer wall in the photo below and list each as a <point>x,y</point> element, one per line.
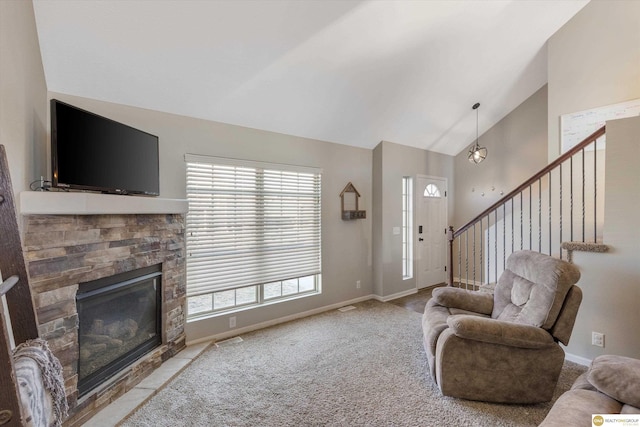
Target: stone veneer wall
<point>62,251</point>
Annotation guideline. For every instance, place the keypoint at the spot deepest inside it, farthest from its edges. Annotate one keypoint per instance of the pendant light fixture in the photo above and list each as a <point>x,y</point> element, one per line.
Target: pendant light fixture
<point>477,153</point>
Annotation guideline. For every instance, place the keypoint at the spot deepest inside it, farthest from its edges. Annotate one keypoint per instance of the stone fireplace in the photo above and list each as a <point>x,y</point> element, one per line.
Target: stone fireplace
<point>66,255</point>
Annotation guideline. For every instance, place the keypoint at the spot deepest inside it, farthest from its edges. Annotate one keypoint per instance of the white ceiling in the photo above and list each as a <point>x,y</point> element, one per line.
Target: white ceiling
<point>350,72</point>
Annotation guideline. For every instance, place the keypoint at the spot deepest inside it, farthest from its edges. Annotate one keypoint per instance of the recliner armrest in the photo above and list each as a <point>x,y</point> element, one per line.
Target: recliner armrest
<point>499,332</point>
<point>478,302</point>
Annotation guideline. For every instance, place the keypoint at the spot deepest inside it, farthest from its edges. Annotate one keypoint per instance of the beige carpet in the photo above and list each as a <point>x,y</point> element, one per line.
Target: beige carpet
<point>364,367</point>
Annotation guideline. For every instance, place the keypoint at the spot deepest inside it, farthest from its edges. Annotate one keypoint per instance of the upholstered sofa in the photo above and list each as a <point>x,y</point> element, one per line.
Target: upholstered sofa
<point>503,347</point>
<point>610,386</point>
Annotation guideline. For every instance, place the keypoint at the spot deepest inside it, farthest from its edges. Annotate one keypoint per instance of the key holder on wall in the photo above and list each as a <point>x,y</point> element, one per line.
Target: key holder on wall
<point>349,203</point>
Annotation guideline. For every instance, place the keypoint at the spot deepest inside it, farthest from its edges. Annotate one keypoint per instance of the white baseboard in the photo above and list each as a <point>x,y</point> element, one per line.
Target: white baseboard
<point>394,296</point>
<point>577,359</point>
<point>273,322</point>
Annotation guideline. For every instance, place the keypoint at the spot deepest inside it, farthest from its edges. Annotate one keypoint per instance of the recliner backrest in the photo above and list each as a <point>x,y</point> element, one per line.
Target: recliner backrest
<point>533,288</point>
<point>563,327</point>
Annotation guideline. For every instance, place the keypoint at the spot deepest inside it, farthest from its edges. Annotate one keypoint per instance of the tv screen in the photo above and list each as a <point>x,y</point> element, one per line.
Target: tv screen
<point>91,152</point>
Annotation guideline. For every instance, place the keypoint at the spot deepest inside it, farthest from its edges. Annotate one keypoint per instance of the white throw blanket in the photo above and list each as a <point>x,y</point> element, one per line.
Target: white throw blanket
<point>39,378</point>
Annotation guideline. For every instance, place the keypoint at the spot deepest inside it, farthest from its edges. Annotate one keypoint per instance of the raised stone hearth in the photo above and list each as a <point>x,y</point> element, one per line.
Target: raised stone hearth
<point>64,251</point>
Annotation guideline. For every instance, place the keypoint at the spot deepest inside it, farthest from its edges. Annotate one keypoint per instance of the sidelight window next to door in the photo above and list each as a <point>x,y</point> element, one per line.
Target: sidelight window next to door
<point>407,227</point>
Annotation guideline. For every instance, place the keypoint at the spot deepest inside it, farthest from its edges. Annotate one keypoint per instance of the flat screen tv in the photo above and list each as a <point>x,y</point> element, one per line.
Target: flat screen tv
<point>91,152</point>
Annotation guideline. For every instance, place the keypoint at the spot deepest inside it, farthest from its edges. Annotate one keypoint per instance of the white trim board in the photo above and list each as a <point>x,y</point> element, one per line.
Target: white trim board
<point>394,296</point>
<point>234,332</point>
<point>239,331</point>
<point>577,359</point>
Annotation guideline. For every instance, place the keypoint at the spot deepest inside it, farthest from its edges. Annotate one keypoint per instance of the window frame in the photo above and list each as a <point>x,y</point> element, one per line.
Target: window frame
<point>407,227</point>
<point>303,209</point>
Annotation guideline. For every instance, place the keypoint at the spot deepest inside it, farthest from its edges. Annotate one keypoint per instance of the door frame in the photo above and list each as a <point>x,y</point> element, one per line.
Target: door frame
<point>418,193</point>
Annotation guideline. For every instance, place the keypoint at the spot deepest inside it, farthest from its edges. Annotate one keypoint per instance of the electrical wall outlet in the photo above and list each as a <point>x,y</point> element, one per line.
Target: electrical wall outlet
<point>597,339</point>
<point>357,284</point>
<point>232,321</point>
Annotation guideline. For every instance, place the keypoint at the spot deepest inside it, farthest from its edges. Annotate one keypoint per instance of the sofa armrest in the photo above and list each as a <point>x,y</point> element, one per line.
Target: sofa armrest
<point>499,332</point>
<point>478,302</point>
<point>617,377</point>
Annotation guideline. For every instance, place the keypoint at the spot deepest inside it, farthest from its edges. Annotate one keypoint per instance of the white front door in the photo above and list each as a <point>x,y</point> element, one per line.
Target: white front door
<point>430,227</point>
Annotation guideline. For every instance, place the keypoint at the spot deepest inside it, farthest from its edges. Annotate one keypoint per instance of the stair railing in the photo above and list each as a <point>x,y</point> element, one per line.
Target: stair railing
<point>562,202</point>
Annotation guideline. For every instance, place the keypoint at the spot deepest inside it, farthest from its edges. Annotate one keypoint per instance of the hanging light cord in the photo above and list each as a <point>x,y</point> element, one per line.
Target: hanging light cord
<point>475,107</point>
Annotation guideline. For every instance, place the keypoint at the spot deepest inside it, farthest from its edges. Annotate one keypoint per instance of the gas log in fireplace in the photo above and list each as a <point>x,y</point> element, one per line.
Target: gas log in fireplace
<point>119,321</point>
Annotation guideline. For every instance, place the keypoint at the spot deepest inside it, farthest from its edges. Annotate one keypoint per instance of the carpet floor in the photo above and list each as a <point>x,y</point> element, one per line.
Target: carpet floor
<point>363,367</point>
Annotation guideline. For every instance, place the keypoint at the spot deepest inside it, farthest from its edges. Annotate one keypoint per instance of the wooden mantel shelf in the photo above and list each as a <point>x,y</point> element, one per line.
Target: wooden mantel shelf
<point>79,203</point>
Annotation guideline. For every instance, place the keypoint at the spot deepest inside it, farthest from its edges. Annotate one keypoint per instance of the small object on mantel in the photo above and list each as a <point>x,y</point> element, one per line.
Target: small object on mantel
<point>349,203</point>
<point>583,247</point>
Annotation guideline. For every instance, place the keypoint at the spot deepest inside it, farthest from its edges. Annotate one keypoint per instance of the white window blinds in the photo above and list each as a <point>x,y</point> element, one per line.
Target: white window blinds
<point>250,223</point>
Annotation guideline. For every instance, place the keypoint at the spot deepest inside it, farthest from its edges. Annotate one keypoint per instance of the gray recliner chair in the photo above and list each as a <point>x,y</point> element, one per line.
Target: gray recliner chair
<point>503,347</point>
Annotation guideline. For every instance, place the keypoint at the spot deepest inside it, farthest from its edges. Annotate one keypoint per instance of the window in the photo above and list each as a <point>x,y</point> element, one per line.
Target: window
<point>407,227</point>
<point>253,233</point>
<point>432,190</point>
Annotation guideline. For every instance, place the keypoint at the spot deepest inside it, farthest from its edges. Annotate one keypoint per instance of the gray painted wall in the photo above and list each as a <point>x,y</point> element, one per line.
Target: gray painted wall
<point>23,94</point>
<point>393,162</point>
<point>346,245</point>
<point>594,61</point>
<point>610,282</point>
<point>517,149</point>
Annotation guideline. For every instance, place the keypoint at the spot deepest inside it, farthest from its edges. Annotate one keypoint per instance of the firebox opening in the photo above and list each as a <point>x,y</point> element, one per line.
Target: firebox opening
<point>119,321</point>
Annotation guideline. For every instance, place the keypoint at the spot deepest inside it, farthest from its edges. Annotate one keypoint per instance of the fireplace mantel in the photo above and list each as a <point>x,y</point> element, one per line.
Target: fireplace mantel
<point>80,203</point>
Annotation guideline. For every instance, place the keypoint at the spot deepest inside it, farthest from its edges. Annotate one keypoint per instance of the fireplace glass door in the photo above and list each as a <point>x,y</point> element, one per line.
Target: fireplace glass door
<point>119,321</point>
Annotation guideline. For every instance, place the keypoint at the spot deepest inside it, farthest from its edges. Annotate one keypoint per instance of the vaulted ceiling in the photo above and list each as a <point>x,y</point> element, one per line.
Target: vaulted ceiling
<point>350,72</point>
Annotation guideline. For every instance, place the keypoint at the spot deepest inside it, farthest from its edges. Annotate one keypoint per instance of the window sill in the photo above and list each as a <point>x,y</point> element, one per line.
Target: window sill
<point>233,310</point>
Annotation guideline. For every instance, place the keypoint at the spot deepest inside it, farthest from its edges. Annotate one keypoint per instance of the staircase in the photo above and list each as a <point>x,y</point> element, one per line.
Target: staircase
<point>557,210</point>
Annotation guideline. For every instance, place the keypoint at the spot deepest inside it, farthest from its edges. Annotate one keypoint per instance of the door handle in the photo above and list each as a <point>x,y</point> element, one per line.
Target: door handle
<point>420,239</point>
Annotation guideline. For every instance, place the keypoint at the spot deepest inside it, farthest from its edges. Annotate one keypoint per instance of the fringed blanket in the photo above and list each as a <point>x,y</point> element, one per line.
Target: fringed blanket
<point>39,378</point>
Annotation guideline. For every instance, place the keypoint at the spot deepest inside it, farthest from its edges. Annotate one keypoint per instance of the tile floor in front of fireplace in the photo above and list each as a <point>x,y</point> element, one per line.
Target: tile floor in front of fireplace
<point>119,409</point>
